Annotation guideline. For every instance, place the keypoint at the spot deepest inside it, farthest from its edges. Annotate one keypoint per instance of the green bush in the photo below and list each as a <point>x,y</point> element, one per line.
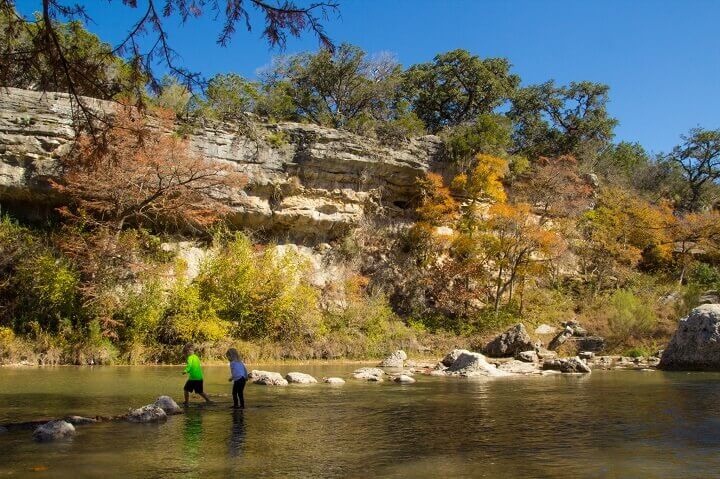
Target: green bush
<point>629,316</point>
<point>189,318</point>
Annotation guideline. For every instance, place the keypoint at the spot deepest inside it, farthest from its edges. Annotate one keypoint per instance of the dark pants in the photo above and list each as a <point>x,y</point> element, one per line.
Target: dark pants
<point>237,392</point>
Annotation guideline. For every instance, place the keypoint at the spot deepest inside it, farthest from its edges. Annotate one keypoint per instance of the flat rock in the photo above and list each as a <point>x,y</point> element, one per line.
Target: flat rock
<point>509,343</point>
<point>147,414</point>
<point>369,374</point>
<point>545,329</point>
<point>695,346</point>
<point>395,360</point>
<point>473,364</point>
<point>528,356</point>
<point>404,378</point>
<point>300,378</point>
<point>519,367</point>
<point>80,420</point>
<point>54,430</point>
<point>267,378</point>
<point>168,404</point>
<point>334,380</point>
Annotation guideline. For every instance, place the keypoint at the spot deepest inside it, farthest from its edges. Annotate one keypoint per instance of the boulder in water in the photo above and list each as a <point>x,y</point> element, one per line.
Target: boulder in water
<point>567,365</point>
<point>168,404</point>
<point>509,343</point>
<point>696,342</point>
<point>53,430</point>
<point>404,378</point>
<point>300,378</point>
<point>451,357</point>
<point>147,414</point>
<point>395,360</point>
<point>334,380</point>
<point>80,420</point>
<point>369,374</point>
<point>519,367</point>
<point>267,378</point>
<point>473,364</point>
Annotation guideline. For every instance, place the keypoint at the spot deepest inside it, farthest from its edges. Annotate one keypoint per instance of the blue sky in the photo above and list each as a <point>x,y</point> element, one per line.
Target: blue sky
<point>661,58</point>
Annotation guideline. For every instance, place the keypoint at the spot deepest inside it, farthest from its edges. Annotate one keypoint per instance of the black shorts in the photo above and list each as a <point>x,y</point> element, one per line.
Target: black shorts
<point>194,386</point>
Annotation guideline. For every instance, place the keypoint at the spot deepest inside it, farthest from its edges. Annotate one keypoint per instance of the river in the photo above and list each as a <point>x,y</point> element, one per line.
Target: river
<point>610,424</point>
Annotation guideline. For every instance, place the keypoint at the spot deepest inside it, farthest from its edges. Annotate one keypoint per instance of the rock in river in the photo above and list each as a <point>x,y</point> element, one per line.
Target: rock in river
<point>451,357</point>
<point>334,380</point>
<point>147,414</point>
<point>53,430</point>
<point>696,342</point>
<point>404,378</point>
<point>395,360</point>
<point>369,374</point>
<point>509,343</point>
<point>528,356</point>
<point>300,378</point>
<point>267,378</point>
<point>567,365</point>
<point>473,364</point>
<point>168,404</point>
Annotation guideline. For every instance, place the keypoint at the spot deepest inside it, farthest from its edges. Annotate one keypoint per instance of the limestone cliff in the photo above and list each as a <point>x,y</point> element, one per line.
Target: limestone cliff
<point>304,181</point>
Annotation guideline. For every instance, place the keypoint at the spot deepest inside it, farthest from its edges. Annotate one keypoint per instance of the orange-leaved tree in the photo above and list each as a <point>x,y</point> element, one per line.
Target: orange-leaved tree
<point>140,174</point>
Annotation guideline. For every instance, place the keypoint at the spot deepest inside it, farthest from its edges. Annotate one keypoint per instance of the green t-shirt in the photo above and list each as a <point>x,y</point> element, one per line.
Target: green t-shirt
<point>193,368</point>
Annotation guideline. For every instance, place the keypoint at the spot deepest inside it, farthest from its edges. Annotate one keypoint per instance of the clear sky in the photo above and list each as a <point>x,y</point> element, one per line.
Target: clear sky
<point>661,58</point>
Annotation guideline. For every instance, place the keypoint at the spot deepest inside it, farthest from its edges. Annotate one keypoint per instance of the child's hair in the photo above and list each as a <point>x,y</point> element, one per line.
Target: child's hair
<point>232,354</point>
<point>189,348</point>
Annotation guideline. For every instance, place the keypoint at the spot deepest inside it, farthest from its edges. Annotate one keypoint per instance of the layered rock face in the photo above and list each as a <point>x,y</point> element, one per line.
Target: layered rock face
<point>696,342</point>
<point>304,181</point>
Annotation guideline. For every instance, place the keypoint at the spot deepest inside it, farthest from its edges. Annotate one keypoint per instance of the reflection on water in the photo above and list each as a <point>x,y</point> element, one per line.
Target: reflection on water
<point>607,425</point>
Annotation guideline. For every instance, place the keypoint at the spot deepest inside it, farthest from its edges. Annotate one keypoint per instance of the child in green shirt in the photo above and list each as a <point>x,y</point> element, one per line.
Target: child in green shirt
<point>195,375</point>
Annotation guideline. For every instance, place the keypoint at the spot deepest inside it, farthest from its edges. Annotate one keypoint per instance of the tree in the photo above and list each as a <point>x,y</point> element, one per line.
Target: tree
<point>339,89</point>
<point>228,96</point>
<point>138,175</point>
<point>490,134</point>
<point>457,87</point>
<point>621,162</point>
<point>691,234</point>
<point>555,189</point>
<point>699,159</point>
<point>562,120</point>
<point>67,71</point>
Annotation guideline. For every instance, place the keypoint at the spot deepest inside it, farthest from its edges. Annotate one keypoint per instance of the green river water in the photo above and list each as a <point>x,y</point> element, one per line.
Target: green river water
<point>616,424</point>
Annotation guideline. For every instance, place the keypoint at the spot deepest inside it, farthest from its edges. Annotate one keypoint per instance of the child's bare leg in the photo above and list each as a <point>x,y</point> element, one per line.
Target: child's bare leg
<point>205,396</point>
<point>187,397</point>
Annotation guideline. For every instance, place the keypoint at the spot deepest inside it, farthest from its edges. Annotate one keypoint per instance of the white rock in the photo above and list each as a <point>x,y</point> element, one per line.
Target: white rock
<point>395,360</point>
<point>168,404</point>
<point>474,364</point>
<point>145,414</point>
<point>403,378</point>
<point>53,430</point>
<point>334,380</point>
<point>369,374</point>
<point>300,378</point>
<point>520,367</point>
<point>267,378</point>
<point>545,329</point>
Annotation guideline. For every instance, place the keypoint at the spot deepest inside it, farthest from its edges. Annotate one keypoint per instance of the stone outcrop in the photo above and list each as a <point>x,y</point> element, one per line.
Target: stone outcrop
<point>567,365</point>
<point>509,343</point>
<point>696,342</point>
<point>395,360</point>
<point>471,364</point>
<point>304,181</point>
<point>300,378</point>
<point>53,430</point>
<point>267,378</point>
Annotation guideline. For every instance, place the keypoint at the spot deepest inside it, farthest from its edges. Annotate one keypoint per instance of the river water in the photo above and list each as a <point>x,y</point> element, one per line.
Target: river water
<point>616,424</point>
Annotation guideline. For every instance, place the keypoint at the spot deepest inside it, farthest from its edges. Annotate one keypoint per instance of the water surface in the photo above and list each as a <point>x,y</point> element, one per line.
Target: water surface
<point>617,424</point>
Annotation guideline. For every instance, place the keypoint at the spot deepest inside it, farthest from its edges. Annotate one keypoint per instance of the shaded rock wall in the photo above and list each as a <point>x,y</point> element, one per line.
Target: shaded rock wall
<point>305,182</point>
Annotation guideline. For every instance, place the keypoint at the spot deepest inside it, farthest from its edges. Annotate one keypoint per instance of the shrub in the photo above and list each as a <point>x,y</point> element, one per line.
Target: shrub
<point>189,318</point>
<point>629,316</point>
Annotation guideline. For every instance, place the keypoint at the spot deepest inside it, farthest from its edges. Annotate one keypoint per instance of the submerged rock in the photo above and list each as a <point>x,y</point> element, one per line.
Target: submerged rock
<point>509,343</point>
<point>53,430</point>
<point>404,378</point>
<point>567,365</point>
<point>147,414</point>
<point>473,364</point>
<point>80,420</point>
<point>300,378</point>
<point>395,360</point>
<point>267,378</point>
<point>168,404</point>
<point>696,342</point>
<point>334,380</point>
<point>369,374</point>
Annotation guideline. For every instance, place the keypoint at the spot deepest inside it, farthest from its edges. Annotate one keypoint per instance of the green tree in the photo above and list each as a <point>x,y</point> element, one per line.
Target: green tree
<point>337,89</point>
<point>698,157</point>
<point>562,120</point>
<point>457,87</point>
<point>229,95</point>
